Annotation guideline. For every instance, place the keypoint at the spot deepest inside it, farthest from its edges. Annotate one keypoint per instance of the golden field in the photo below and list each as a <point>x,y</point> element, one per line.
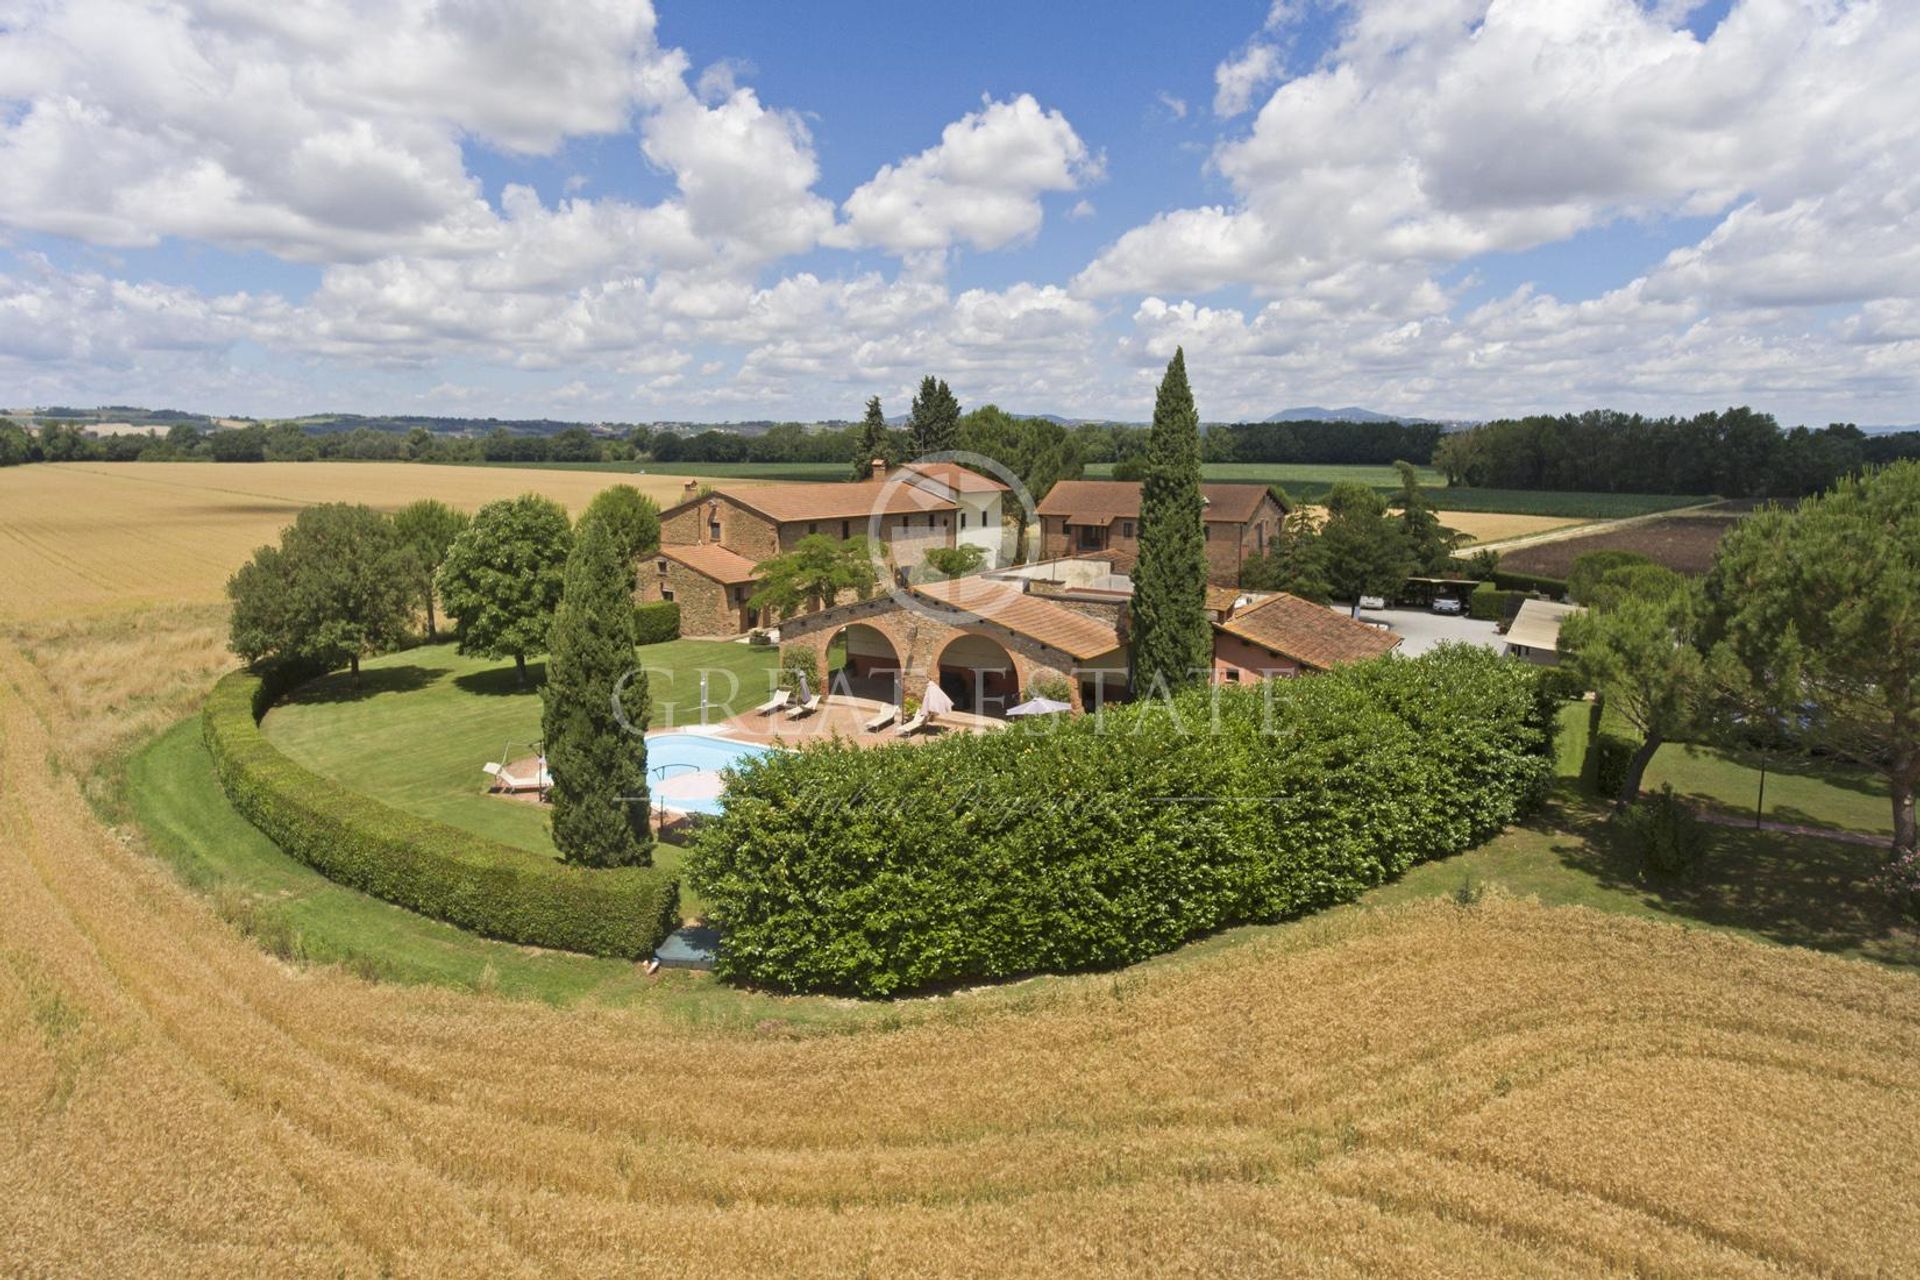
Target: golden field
<point>74,536</point>
<point>1497,526</point>
<point>1438,1090</point>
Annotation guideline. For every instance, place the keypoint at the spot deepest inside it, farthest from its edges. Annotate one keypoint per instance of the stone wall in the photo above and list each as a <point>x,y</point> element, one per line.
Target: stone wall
<point>706,607</point>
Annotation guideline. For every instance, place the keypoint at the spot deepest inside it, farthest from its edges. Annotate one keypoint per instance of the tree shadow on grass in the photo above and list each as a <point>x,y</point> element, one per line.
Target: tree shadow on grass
<point>1796,890</point>
<point>1842,775</point>
<point>497,682</point>
<point>341,686</point>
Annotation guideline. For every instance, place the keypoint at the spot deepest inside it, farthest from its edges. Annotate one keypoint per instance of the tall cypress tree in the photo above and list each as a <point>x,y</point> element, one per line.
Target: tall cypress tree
<point>934,422</point>
<point>599,769</point>
<point>1172,638</point>
<point>871,443</point>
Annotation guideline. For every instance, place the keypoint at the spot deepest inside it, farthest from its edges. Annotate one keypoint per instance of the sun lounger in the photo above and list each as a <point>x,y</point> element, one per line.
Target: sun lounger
<point>806,708</point>
<point>776,703</point>
<point>915,725</point>
<point>881,720</point>
<point>505,779</point>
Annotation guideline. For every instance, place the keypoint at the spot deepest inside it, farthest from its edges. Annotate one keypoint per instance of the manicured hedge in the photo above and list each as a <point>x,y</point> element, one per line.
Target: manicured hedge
<point>1489,603</point>
<point>426,866</point>
<point>1103,840</point>
<point>1554,587</point>
<point>656,623</point>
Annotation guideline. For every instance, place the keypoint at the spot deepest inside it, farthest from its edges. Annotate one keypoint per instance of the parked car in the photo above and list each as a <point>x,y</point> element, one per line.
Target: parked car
<point>1373,602</point>
<point>1448,605</point>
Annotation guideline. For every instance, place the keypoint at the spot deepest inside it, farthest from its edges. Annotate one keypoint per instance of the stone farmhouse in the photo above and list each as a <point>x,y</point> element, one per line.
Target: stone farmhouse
<point>710,543</point>
<point>1100,519</point>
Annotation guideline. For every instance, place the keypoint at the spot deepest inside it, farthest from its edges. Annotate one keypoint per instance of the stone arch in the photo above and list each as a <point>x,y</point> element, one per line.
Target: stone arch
<point>979,672</point>
<point>874,667</point>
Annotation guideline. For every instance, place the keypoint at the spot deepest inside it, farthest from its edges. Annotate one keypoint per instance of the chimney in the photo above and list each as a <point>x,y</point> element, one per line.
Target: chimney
<point>877,468</point>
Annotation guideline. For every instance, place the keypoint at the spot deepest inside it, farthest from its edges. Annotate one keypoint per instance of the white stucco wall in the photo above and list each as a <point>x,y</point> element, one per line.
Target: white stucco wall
<point>982,526</point>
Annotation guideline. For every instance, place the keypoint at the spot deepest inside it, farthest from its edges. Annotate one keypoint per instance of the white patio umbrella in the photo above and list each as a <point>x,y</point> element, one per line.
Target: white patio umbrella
<point>936,703</point>
<point>1039,707</point>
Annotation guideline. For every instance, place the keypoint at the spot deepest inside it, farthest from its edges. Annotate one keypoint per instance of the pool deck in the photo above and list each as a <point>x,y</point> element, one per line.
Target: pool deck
<point>840,715</point>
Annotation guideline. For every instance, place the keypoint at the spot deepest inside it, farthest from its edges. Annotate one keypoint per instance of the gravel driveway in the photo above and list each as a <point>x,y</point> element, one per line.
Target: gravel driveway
<point>1420,631</point>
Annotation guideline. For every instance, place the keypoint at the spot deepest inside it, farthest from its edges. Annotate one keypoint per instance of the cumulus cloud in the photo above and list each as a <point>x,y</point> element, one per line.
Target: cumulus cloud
<point>981,185</point>
<point>286,127</point>
<point>1435,133</point>
<point>1259,63</point>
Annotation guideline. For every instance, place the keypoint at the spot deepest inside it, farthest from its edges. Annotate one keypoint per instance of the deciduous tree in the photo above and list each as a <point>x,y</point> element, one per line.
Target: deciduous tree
<point>333,591</point>
<point>1172,635</point>
<point>503,578</point>
<point>598,763</point>
<point>427,529</point>
<point>1365,549</point>
<point>1295,561</point>
<point>813,574</point>
<point>632,518</point>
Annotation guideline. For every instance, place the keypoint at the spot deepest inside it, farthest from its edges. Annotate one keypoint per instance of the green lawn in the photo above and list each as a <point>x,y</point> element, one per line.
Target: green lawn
<point>1308,482</point>
<point>421,722</point>
<point>1791,889</point>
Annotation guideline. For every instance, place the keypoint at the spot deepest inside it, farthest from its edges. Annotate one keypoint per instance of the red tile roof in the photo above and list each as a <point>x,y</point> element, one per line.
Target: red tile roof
<point>711,560</point>
<point>1003,604</point>
<point>1101,502</point>
<point>1311,634</point>
<point>956,477</point>
<point>792,503</point>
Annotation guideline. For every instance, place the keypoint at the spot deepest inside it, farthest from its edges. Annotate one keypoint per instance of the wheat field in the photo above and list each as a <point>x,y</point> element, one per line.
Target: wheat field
<point>1437,1090</point>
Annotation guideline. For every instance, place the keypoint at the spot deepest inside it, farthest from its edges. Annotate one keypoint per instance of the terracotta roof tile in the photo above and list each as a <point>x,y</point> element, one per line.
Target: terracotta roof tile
<point>1101,502</point>
<point>791,503</point>
<point>1004,605</point>
<point>956,477</point>
<point>711,560</point>
<point>1309,633</point>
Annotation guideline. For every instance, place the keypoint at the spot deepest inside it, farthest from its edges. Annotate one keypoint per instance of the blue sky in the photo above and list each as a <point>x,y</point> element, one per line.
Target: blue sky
<point>746,210</point>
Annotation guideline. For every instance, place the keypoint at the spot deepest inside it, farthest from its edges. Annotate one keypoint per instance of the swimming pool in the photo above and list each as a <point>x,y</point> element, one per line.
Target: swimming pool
<point>683,769</point>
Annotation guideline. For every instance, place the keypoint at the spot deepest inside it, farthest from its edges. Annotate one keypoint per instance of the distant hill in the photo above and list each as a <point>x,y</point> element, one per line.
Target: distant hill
<point>1352,413</point>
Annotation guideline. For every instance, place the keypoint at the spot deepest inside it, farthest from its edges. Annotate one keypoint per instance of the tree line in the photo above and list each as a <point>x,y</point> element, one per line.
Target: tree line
<point>1735,453</point>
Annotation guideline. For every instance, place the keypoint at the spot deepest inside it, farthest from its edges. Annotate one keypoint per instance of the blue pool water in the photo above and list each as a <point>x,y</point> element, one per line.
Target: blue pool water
<point>677,761</point>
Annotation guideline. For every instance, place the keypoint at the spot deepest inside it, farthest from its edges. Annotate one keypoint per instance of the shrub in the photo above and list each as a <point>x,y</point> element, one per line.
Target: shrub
<point>1054,687</point>
<point>490,888</point>
<point>1664,835</point>
<point>799,661</point>
<point>1609,756</point>
<point>1489,603</point>
<point>883,870</point>
<point>656,623</point>
<point>1899,880</point>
